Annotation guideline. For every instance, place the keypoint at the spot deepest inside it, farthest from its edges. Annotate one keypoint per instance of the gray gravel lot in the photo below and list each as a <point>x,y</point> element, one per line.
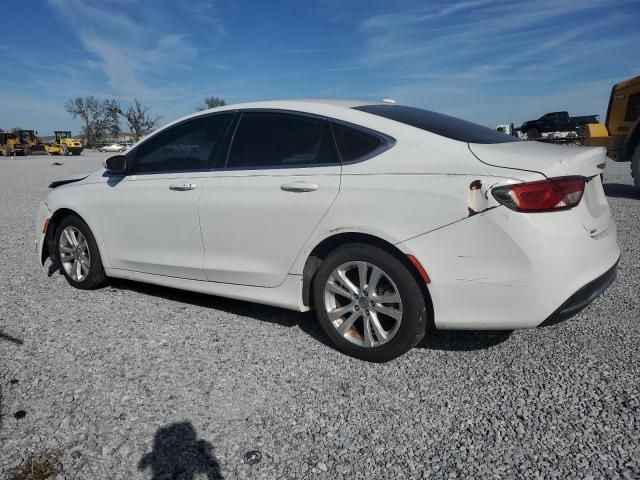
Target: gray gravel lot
<point>133,381</point>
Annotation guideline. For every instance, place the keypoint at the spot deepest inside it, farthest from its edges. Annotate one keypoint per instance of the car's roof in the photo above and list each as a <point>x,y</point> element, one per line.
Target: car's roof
<point>293,103</point>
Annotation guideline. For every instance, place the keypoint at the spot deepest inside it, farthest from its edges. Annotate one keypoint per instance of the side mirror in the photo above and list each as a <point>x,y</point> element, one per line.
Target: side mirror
<point>116,164</point>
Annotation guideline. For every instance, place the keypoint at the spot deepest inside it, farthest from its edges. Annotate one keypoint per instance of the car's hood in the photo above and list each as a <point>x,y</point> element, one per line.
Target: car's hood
<point>549,160</point>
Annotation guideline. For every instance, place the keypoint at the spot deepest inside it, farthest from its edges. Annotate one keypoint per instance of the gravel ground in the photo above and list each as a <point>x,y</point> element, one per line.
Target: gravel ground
<point>135,381</point>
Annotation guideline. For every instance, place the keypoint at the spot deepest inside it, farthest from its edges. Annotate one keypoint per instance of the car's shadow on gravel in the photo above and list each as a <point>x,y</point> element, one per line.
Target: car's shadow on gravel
<point>287,318</point>
<point>461,340</point>
<point>621,190</point>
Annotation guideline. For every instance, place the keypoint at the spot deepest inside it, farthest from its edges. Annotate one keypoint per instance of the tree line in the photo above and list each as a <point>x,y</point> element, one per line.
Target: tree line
<point>102,117</point>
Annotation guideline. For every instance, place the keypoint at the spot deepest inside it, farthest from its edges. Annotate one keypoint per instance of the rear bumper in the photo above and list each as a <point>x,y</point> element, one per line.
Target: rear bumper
<point>582,297</point>
<point>505,270</point>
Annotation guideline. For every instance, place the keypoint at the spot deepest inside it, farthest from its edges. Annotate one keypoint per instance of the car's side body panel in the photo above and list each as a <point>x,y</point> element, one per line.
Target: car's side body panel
<point>286,295</point>
<point>149,224</point>
<point>254,222</point>
<point>503,269</point>
<point>82,198</point>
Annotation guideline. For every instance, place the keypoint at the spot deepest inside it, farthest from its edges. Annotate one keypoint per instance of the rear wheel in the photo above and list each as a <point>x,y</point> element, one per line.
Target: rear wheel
<point>78,254</point>
<point>635,165</point>
<point>368,303</point>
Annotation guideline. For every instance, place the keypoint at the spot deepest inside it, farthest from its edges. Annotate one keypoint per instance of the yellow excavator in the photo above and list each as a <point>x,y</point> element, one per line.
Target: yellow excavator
<point>64,144</point>
<point>10,144</point>
<point>31,144</point>
<point>620,134</point>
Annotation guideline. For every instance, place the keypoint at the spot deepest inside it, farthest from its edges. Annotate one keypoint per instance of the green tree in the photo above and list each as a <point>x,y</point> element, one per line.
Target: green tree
<point>98,117</point>
<point>212,102</point>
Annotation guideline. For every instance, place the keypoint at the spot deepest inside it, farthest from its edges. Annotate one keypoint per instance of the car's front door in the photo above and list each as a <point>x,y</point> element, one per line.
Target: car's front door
<point>282,175</point>
<point>149,217</point>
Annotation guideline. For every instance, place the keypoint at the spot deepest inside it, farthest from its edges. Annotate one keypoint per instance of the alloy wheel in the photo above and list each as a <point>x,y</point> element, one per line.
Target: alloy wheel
<point>363,304</point>
<point>74,253</point>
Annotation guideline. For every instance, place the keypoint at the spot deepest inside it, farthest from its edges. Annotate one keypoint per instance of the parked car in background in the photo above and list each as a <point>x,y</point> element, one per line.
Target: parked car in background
<point>387,220</point>
<point>556,122</point>
<point>509,129</point>
<point>114,147</point>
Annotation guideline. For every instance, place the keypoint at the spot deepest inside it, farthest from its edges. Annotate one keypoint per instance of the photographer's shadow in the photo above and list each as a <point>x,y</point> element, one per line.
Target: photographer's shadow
<point>178,455</point>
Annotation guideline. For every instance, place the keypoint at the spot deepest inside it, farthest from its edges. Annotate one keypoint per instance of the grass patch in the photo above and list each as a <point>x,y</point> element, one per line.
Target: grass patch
<point>38,466</point>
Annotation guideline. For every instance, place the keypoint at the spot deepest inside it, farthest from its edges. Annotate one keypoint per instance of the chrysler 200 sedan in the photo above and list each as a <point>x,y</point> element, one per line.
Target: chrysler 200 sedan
<point>387,220</point>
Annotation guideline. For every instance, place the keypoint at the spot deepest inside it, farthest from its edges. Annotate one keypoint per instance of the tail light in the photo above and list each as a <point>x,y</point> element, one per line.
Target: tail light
<point>559,193</point>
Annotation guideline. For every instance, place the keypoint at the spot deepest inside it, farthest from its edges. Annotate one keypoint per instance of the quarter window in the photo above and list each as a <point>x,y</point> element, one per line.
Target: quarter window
<point>354,144</point>
<point>188,146</point>
<point>265,140</point>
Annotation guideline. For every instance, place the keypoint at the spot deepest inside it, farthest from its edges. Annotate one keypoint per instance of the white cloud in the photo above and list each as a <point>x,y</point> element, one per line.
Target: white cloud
<point>132,51</point>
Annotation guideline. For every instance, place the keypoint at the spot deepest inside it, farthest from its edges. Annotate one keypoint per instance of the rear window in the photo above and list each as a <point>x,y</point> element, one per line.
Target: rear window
<point>438,123</point>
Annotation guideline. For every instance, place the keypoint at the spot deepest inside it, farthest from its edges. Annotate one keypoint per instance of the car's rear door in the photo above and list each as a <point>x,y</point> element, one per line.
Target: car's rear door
<point>149,217</point>
<point>281,176</point>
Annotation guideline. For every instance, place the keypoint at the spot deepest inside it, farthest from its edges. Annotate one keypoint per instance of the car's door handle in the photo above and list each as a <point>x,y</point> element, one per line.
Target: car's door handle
<point>300,187</point>
<point>182,187</point>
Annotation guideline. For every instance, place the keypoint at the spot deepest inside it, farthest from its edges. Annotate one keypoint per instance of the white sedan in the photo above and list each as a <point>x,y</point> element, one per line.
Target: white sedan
<point>114,147</point>
<point>387,220</point>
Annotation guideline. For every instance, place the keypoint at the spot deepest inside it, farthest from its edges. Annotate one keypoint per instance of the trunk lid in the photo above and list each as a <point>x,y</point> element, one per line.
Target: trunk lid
<point>557,161</point>
<point>549,160</point>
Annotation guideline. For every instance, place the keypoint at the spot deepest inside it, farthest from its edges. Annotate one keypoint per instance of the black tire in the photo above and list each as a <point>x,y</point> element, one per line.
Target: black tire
<point>533,134</point>
<point>96,277</point>
<point>635,165</point>
<point>413,322</point>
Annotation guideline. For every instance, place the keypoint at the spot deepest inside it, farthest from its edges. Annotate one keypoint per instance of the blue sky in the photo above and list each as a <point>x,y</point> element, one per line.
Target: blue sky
<point>484,60</point>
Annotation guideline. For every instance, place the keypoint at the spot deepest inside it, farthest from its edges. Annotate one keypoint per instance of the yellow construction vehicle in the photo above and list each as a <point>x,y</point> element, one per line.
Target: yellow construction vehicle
<point>10,144</point>
<point>30,142</point>
<point>620,134</point>
<point>64,144</point>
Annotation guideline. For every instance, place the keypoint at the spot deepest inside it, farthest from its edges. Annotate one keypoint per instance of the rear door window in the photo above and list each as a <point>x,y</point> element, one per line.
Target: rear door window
<point>272,140</point>
<point>438,123</point>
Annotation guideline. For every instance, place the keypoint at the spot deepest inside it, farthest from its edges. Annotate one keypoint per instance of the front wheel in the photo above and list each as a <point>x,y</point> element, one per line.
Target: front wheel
<point>78,254</point>
<point>368,303</point>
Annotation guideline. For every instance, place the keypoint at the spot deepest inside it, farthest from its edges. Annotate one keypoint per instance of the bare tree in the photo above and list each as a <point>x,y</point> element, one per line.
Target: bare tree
<point>212,102</point>
<point>139,121</point>
<point>98,117</point>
